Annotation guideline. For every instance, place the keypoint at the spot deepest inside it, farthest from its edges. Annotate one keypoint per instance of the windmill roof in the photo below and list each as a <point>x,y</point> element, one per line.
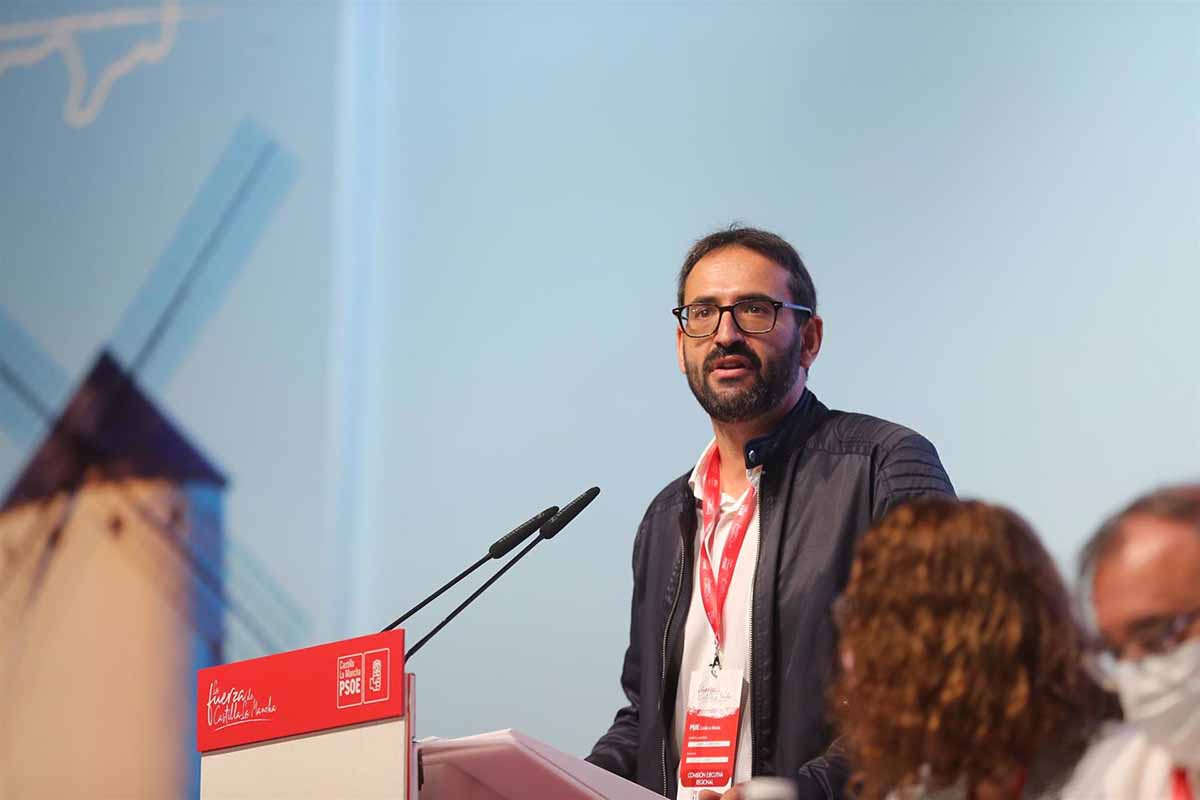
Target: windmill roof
<point>111,423</point>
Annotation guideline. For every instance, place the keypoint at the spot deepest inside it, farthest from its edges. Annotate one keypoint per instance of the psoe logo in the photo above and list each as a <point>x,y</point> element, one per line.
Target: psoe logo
<point>236,706</point>
<point>363,678</point>
<point>376,674</point>
<point>379,664</point>
<point>350,680</point>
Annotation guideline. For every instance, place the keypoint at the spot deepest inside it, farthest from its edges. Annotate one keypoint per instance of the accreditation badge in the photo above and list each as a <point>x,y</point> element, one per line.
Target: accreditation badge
<point>710,732</point>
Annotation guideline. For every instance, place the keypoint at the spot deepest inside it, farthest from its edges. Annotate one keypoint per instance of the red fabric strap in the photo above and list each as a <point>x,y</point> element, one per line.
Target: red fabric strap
<point>1181,788</point>
<point>714,588</point>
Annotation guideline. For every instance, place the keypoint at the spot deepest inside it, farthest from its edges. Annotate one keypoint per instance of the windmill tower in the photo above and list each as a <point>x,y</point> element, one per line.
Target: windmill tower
<point>117,577</point>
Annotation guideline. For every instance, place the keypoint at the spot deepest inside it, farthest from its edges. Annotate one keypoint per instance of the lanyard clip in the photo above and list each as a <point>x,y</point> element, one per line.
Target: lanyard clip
<point>715,666</point>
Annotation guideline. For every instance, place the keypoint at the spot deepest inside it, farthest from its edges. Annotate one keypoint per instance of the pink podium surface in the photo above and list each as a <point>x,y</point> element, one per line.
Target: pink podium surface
<point>507,764</point>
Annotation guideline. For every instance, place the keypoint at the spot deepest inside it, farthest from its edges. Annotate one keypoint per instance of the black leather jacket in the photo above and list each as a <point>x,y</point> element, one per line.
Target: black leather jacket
<point>827,475</point>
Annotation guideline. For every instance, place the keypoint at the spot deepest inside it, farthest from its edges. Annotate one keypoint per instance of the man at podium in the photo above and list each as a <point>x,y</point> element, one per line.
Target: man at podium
<point>737,562</point>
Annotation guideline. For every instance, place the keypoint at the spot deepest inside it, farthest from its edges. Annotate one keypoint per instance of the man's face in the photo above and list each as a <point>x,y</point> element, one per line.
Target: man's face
<point>1150,578</point>
<point>738,376</point>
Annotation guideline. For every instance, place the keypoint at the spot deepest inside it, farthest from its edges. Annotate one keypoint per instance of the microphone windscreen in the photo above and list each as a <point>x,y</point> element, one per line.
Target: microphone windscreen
<point>502,546</point>
<point>569,512</point>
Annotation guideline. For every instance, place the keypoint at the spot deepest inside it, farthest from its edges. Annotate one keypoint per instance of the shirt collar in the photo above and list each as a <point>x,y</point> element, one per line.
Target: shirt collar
<point>761,449</point>
<point>695,482</point>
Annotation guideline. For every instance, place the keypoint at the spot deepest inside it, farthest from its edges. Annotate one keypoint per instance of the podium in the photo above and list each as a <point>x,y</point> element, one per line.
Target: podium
<point>507,765</point>
<point>336,721</point>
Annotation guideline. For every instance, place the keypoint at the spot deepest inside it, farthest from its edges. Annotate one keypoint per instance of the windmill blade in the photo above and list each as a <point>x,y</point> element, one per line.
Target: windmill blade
<point>33,387</point>
<point>248,584</point>
<point>208,250</point>
<point>21,424</point>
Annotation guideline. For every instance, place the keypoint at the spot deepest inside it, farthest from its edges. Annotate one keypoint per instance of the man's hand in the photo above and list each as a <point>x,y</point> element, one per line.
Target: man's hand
<point>733,794</point>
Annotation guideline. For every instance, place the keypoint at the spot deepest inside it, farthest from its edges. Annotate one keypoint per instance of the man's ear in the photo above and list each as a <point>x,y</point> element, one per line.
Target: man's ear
<point>814,333</point>
<point>679,349</point>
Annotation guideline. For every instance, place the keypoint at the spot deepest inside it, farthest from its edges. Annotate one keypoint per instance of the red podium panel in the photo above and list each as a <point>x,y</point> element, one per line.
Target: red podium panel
<point>318,688</point>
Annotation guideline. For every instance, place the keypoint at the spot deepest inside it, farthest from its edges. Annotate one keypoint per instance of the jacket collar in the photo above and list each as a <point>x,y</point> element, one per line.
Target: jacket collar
<point>791,431</point>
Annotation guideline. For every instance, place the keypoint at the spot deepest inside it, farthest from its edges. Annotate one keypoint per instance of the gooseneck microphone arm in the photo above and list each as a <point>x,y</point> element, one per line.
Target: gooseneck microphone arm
<point>471,599</point>
<point>552,526</point>
<point>500,548</point>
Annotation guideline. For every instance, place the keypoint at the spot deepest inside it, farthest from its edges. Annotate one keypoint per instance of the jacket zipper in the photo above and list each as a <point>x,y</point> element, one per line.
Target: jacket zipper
<point>663,685</point>
<point>750,625</point>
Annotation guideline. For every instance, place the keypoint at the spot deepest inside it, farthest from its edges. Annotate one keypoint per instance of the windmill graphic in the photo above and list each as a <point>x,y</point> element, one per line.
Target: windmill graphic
<point>117,576</point>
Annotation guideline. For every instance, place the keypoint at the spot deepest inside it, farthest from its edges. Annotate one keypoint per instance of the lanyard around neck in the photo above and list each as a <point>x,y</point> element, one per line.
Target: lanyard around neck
<point>714,588</point>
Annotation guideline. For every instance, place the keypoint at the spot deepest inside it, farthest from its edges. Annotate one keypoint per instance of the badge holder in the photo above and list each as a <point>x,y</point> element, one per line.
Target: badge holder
<point>710,731</point>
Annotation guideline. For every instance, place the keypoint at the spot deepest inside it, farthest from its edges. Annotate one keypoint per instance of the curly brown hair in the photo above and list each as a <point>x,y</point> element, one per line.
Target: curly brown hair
<point>962,648</point>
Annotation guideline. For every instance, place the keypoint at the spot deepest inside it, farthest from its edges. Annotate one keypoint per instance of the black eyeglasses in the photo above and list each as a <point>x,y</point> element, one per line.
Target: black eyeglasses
<point>698,320</point>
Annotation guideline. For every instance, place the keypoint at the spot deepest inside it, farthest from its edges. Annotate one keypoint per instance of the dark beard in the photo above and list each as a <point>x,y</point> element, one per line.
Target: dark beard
<point>771,384</point>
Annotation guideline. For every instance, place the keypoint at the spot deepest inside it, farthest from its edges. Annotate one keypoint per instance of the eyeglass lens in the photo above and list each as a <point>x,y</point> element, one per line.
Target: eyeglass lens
<point>751,316</point>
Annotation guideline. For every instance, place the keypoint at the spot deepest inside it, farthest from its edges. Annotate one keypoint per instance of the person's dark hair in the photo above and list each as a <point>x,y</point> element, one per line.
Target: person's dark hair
<point>765,244</point>
<point>1172,503</point>
<point>964,657</point>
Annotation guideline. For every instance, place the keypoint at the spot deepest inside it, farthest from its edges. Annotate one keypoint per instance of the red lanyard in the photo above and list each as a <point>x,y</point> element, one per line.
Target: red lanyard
<point>1180,785</point>
<point>713,590</point>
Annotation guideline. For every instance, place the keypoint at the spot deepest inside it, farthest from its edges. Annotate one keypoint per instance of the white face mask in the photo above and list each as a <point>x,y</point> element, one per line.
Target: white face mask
<point>1161,697</point>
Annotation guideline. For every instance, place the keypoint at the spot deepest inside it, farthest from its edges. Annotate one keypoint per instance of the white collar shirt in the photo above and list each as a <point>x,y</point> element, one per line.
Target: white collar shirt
<point>698,640</point>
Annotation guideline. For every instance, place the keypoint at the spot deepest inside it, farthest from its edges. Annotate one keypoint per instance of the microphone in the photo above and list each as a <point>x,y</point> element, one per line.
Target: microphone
<point>555,524</point>
<point>499,549</point>
<point>570,511</point>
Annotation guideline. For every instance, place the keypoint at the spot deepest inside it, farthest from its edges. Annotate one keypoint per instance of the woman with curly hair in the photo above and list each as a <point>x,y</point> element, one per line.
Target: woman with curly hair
<point>962,671</point>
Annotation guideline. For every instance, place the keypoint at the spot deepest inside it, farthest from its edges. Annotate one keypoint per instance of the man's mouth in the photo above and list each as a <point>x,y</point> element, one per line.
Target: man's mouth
<point>730,367</point>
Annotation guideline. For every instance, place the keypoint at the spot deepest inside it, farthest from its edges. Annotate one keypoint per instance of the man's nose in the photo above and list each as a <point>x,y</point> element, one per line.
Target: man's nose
<point>727,330</point>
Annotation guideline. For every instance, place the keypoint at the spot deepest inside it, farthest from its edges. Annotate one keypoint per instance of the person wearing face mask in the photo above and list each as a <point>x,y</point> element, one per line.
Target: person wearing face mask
<point>1141,574</point>
<point>962,664</point>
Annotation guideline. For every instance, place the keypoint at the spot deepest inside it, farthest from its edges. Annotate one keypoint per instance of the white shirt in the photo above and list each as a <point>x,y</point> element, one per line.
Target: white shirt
<point>698,639</point>
<point>1124,765</point>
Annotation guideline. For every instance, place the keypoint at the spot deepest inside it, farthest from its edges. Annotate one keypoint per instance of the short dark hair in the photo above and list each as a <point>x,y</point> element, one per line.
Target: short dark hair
<point>766,244</point>
<point>1172,503</point>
